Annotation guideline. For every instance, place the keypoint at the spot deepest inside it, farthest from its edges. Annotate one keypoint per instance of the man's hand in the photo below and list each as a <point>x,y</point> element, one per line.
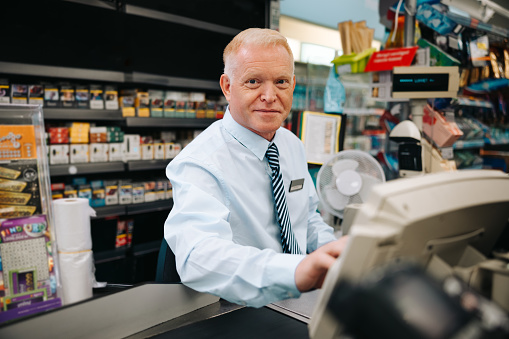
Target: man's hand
<point>311,271</point>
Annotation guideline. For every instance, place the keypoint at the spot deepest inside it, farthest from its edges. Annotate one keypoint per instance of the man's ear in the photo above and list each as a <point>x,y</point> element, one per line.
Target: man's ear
<point>225,84</point>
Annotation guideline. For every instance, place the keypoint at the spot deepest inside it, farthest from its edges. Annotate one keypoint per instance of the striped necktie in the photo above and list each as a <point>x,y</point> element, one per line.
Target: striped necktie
<point>288,240</point>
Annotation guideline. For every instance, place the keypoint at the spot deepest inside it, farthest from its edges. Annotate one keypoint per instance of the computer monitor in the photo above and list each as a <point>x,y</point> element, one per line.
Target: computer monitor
<point>437,216</point>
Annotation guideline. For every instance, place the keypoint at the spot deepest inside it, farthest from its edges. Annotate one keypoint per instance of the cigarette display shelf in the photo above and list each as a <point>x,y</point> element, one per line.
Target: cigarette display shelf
<point>132,209</point>
<point>107,167</point>
<point>87,168</point>
<point>82,114</point>
<point>169,122</point>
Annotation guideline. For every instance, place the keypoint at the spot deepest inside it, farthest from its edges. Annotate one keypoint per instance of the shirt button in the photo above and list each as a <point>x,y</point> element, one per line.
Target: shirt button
<point>290,294</point>
<point>243,303</point>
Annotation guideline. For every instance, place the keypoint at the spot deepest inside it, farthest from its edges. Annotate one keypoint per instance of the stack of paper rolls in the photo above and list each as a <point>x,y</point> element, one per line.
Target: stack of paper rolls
<point>74,244</point>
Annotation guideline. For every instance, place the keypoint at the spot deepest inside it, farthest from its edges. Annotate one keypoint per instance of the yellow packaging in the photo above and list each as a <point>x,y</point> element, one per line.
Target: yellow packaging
<point>11,198</point>
<point>12,185</point>
<point>17,142</point>
<point>12,211</point>
<point>9,173</point>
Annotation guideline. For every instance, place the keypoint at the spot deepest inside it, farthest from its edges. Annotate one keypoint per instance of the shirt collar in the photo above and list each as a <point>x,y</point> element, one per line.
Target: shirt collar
<point>249,139</point>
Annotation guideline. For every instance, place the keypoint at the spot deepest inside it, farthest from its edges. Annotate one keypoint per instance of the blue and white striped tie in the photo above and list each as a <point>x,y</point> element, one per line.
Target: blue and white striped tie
<point>288,240</point>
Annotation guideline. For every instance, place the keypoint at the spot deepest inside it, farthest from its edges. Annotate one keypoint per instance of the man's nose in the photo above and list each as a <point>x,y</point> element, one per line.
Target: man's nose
<point>268,93</point>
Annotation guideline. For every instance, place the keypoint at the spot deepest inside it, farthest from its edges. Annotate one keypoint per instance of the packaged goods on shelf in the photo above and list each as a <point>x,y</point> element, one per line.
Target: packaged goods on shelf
<point>82,96</point>
<point>210,109</point>
<point>70,192</point>
<point>98,134</point>
<point>124,235</point>
<point>126,100</point>
<point>156,98</point>
<point>58,135</point>
<point>131,147</point>
<point>36,94</point>
<point>181,101</point>
<point>125,193</point>
<point>116,152</point>
<point>111,100</point>
<point>96,97</point>
<point>147,148</point>
<point>79,153</point>
<point>201,109</point>
<point>170,100</point>
<point>160,189</point>
<point>171,150</point>
<point>150,191</point>
<point>142,104</point>
<point>5,92</point>
<point>58,154</point>
<point>138,192</point>
<point>51,95</point>
<point>111,192</point>
<point>19,94</point>
<point>159,149</point>
<point>98,193</point>
<point>79,133</point>
<point>67,96</point>
<point>99,152</point>
<point>85,191</point>
<point>57,190</point>
<point>196,100</point>
<point>114,134</point>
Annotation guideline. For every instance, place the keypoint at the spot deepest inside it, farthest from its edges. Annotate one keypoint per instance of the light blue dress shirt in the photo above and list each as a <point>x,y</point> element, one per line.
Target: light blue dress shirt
<point>223,226</point>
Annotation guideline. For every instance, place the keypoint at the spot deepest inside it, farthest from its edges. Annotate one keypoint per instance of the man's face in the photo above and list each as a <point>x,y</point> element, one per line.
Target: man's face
<point>261,90</point>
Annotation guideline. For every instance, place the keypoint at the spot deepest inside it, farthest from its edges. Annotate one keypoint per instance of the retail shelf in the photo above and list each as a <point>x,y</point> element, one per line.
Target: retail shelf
<point>153,206</point>
<point>148,247</point>
<point>110,255</point>
<point>468,144</point>
<point>169,122</point>
<point>474,103</point>
<point>177,19</point>
<point>82,114</point>
<point>60,72</point>
<point>86,168</point>
<point>140,165</point>
<point>109,211</point>
<point>154,79</point>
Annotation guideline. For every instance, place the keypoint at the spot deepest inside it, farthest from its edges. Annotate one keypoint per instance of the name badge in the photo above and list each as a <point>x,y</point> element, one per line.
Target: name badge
<point>296,185</point>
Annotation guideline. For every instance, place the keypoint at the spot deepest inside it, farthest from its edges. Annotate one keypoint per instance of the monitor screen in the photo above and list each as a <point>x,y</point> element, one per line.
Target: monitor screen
<point>425,82</point>
<point>420,82</point>
<point>432,219</point>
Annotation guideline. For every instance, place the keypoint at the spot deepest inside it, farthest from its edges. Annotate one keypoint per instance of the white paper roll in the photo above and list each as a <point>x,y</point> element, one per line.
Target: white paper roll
<point>72,224</point>
<point>76,275</point>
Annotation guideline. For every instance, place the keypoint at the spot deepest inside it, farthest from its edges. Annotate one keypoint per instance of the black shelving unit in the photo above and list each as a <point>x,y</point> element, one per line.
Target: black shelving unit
<point>132,209</point>
<point>121,62</point>
<point>82,114</point>
<point>142,165</point>
<point>87,168</point>
<point>168,122</point>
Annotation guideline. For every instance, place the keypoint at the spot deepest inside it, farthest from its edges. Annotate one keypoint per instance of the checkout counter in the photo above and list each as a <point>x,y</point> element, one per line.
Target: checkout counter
<point>166,311</point>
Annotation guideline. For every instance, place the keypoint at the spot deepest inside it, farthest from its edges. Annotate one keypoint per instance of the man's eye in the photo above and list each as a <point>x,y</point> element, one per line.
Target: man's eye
<point>252,81</point>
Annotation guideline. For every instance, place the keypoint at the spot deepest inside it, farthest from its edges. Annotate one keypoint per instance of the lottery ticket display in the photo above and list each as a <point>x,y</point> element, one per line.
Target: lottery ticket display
<point>28,273</point>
